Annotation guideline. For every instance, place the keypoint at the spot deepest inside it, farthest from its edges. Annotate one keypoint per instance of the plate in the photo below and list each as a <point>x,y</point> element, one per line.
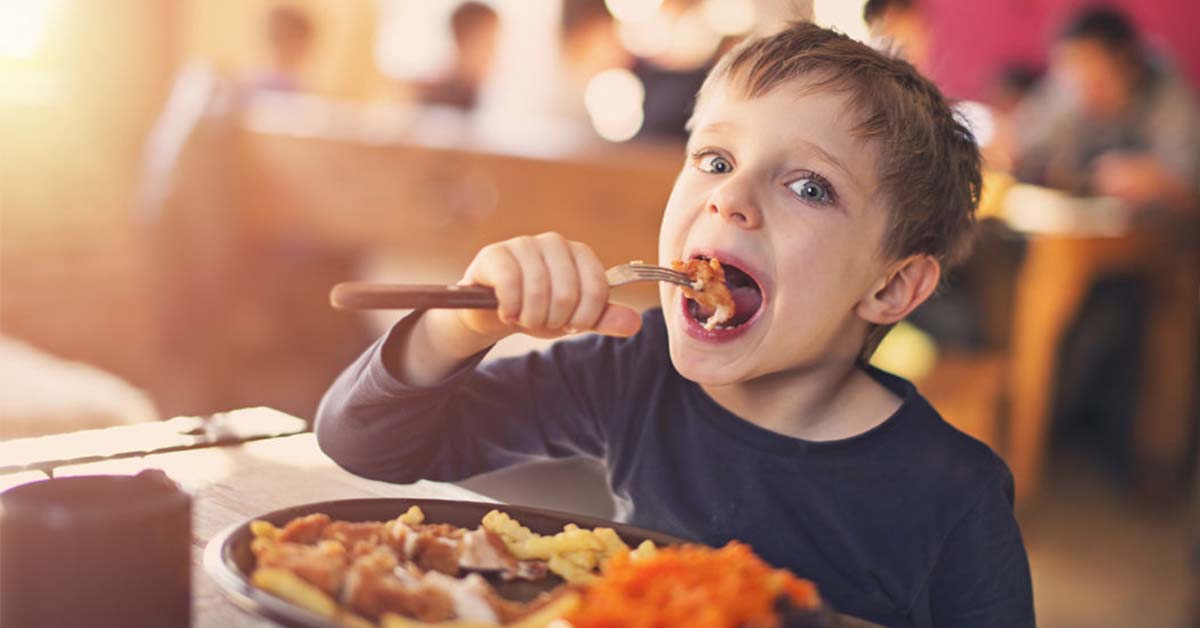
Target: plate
<point>228,560</point>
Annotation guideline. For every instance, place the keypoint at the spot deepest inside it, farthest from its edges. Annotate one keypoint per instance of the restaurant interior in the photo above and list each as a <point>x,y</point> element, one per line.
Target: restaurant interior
<point>183,181</point>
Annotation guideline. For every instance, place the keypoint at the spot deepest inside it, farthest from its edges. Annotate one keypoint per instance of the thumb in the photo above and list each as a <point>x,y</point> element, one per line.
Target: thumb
<point>618,320</point>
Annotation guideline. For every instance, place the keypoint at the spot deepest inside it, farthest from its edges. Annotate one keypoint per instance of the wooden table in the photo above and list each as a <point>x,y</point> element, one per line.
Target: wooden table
<point>231,484</point>
<point>1054,280</point>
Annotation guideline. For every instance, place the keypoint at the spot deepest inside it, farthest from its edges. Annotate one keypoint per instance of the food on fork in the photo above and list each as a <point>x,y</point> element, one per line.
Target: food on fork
<point>708,290</point>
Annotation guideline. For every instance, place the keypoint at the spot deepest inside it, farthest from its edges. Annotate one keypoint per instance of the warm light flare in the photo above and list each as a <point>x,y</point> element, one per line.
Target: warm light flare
<point>730,17</point>
<point>645,39</point>
<point>842,16</point>
<point>683,41</point>
<point>614,101</point>
<point>23,26</point>
<point>633,10</point>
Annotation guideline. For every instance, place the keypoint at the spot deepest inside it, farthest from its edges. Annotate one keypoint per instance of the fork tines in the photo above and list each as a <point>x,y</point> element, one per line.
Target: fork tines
<point>659,273</point>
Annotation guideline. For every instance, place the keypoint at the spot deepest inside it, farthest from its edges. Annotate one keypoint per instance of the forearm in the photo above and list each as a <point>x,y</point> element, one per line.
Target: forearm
<point>435,347</point>
<point>1180,195</point>
<point>377,426</point>
<point>474,419</point>
<point>402,411</point>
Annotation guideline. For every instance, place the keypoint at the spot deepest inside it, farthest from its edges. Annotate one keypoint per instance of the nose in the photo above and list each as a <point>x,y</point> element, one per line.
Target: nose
<point>734,201</point>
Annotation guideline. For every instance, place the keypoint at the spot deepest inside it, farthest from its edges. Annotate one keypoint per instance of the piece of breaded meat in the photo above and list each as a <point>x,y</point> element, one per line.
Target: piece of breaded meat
<point>708,290</point>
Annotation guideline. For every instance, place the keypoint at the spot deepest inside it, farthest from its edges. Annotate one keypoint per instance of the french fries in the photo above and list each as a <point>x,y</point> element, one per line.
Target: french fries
<point>413,516</point>
<point>264,530</point>
<point>573,554</point>
<point>294,589</point>
<point>644,551</point>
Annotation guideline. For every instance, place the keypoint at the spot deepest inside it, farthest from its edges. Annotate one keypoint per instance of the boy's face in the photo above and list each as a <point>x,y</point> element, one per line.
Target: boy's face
<point>778,187</point>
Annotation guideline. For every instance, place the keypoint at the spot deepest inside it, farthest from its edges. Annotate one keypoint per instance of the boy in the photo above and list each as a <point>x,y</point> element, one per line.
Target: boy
<point>832,183</point>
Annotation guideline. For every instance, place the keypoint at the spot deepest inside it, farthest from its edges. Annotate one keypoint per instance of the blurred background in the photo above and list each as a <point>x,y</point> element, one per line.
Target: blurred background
<point>182,181</point>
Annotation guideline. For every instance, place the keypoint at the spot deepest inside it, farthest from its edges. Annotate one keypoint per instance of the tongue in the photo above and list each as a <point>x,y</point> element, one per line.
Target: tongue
<point>746,301</point>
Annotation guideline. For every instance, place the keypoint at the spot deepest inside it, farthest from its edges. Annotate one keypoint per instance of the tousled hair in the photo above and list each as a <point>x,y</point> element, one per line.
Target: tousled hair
<point>928,162</point>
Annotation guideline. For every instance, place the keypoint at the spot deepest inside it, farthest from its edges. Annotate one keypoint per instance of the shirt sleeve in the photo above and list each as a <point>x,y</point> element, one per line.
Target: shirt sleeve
<point>982,577</point>
<point>481,418</point>
<point>1174,129</point>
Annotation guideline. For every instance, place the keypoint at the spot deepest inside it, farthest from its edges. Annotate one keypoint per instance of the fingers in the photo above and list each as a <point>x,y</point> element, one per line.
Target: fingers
<point>496,266</point>
<point>564,279</point>
<point>593,288</point>
<point>618,320</point>
<point>547,285</point>
<point>535,282</point>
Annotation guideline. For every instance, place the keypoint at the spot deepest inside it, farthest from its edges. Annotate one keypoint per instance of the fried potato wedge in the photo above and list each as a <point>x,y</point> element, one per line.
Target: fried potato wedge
<point>296,590</point>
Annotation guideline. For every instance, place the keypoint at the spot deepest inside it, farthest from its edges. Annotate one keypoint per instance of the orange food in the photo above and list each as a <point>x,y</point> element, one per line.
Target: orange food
<point>708,290</point>
<point>692,586</point>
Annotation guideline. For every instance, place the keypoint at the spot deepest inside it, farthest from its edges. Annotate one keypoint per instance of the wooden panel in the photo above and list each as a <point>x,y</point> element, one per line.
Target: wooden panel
<point>1053,283</point>
<point>446,202</point>
<point>268,222</point>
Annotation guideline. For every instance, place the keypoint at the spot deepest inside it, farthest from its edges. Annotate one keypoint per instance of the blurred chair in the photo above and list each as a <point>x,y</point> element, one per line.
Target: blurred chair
<point>242,304</point>
<point>1054,282</point>
<point>44,394</point>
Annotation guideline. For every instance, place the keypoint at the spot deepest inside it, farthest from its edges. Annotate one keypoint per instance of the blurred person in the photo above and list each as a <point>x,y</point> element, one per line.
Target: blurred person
<point>1006,96</point>
<point>589,41</point>
<point>475,27</point>
<point>1114,120</point>
<point>672,78</point>
<point>900,27</point>
<point>289,35</point>
<point>589,46</point>
<point>669,80</point>
<point>1120,122</point>
<point>1013,84</point>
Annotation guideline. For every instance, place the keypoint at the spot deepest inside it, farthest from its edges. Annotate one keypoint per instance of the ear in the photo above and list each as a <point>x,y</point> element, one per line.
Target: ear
<point>907,284</point>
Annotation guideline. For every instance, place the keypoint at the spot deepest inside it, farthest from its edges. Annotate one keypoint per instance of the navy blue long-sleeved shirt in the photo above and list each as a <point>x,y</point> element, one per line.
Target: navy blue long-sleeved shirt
<point>907,524</point>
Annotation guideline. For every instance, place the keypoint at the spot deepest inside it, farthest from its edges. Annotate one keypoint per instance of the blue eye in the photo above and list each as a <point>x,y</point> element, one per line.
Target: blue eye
<point>813,189</point>
<point>714,164</point>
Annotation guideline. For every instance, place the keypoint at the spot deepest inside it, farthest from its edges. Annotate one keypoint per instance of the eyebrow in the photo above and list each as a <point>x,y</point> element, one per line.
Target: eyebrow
<point>711,127</point>
<point>829,157</point>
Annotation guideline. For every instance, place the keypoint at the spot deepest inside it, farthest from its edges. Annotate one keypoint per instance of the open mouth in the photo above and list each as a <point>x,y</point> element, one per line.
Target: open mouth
<point>745,292</point>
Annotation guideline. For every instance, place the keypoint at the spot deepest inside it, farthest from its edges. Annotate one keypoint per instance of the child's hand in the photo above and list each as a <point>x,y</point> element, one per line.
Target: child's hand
<point>547,286</point>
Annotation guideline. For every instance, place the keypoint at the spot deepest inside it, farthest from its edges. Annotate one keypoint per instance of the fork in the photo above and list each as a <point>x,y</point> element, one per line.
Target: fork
<point>360,295</point>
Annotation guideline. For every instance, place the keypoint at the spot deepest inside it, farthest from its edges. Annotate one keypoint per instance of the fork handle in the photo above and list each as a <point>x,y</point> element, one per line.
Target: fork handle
<point>358,295</point>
